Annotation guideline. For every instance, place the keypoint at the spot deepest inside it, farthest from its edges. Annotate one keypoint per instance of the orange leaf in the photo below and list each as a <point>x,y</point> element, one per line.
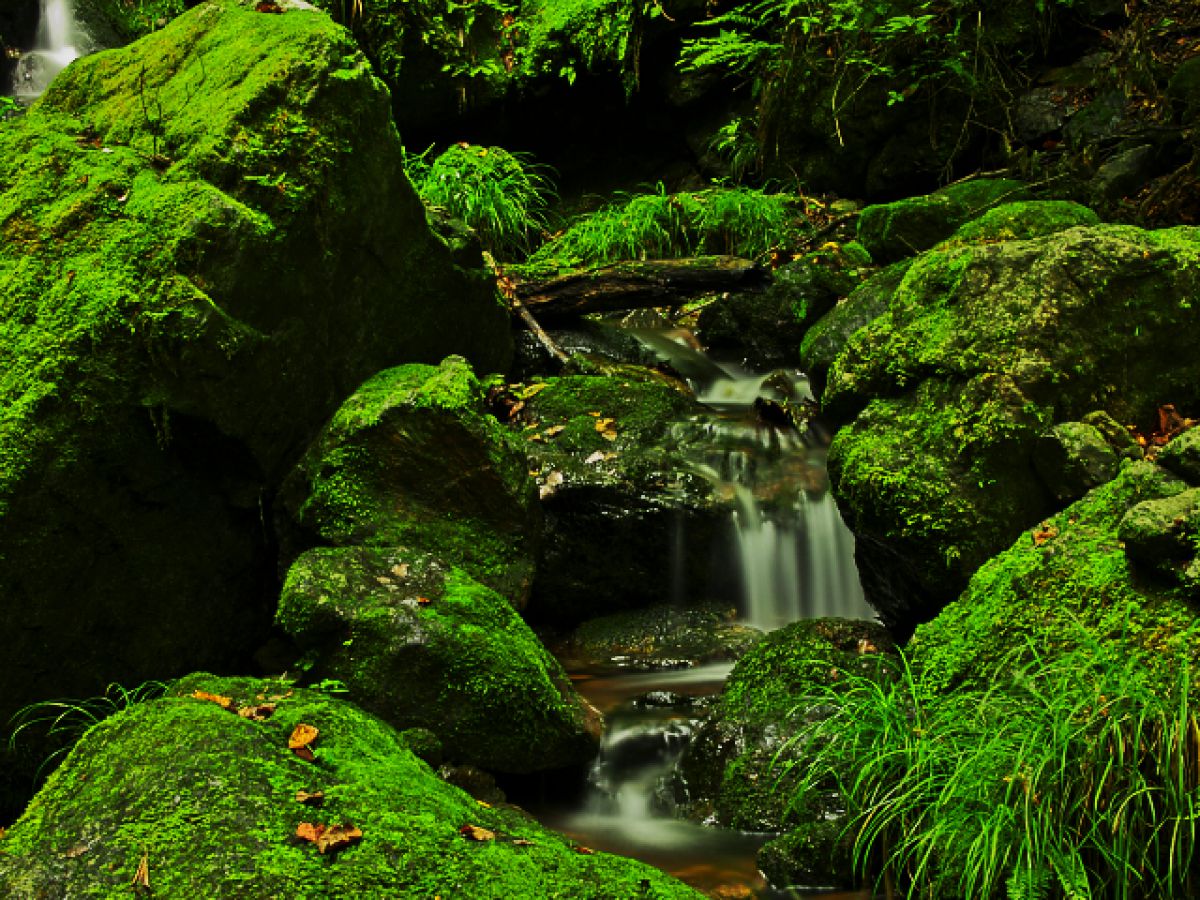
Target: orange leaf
<point>305,753</point>
<point>258,713</point>
<point>223,702</point>
<point>1043,534</point>
<point>475,833</point>
<point>309,832</point>
<point>586,851</point>
<point>302,736</point>
<point>338,836</point>
<point>310,798</point>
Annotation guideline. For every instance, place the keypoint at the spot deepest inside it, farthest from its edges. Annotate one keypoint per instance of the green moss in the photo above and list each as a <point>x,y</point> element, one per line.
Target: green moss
<point>1058,586</point>
<point>1024,220</point>
<point>422,645</point>
<point>206,798</point>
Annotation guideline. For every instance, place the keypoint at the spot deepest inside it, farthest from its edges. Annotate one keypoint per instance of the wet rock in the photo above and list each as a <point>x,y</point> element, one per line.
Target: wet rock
<point>1072,458</point>
<point>1117,435</point>
<point>816,854</point>
<point>202,802</point>
<point>186,302</point>
<point>1163,534</point>
<point>1182,456</point>
<point>1099,119</point>
<point>479,784</point>
<point>1023,220</point>
<point>420,644</point>
<point>1125,173</point>
<point>411,459</point>
<point>983,349</point>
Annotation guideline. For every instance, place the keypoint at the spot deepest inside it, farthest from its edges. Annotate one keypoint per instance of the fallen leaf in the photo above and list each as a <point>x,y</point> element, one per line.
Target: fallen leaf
<point>305,753</point>
<point>328,837</point>
<point>554,429</point>
<point>604,424</point>
<point>484,804</point>
<point>596,457</point>
<point>310,798</point>
<point>257,713</point>
<point>530,390</point>
<point>586,851</point>
<point>75,851</point>
<point>475,833</point>
<point>423,601</point>
<point>400,570</point>
<point>267,6</point>
<point>141,878</point>
<point>1043,534</point>
<point>521,842</point>
<point>608,434</point>
<point>302,736</point>
<point>223,702</point>
<point>383,579</point>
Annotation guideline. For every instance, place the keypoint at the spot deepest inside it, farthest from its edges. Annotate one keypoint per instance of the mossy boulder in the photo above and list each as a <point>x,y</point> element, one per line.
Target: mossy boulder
<point>421,644</point>
<point>983,349</point>
<point>208,240</point>
<point>892,231</point>
<point>412,459</point>
<point>731,768</point>
<point>1081,576</point>
<point>1072,458</point>
<point>206,800</point>
<point>1182,456</point>
<point>620,499</point>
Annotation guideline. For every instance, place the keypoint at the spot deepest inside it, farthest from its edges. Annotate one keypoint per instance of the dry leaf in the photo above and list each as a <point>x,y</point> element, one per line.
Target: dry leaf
<point>608,435</point>
<point>400,570</point>
<point>604,424</point>
<point>586,851</point>
<point>310,798</point>
<point>529,390</point>
<point>141,878</point>
<point>223,702</point>
<point>329,837</point>
<point>75,851</point>
<point>305,753</point>
<point>423,601</point>
<point>257,713</point>
<point>475,833</point>
<point>554,429</point>
<point>302,736</point>
<point>1043,534</point>
<point>521,842</point>
<point>596,457</point>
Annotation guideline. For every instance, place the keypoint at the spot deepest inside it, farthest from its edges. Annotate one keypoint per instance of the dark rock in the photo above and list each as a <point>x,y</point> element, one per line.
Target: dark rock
<point>479,784</point>
<point>1099,119</point>
<point>1041,113</point>
<point>1184,91</point>
<point>1125,173</point>
<point>186,301</point>
<point>817,854</point>
<point>1122,442</point>
<point>1072,458</point>
<point>424,744</point>
<point>420,644</point>
<point>1182,456</point>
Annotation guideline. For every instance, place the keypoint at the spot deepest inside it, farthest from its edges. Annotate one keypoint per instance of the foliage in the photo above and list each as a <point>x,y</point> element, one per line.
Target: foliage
<point>503,196</point>
<point>659,224</point>
<point>1072,776</point>
<point>65,721</point>
<point>136,18</point>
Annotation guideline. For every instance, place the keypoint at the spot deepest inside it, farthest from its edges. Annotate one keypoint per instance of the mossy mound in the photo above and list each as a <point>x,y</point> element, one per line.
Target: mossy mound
<point>208,241</point>
<point>205,800</point>
<point>982,350</point>
<point>412,459</point>
<point>619,498</point>
<point>423,645</point>
<point>1078,577</point>
<point>892,231</point>
<point>729,767</point>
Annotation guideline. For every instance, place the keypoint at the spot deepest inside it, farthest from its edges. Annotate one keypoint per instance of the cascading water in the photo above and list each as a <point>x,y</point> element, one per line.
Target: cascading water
<point>59,41</point>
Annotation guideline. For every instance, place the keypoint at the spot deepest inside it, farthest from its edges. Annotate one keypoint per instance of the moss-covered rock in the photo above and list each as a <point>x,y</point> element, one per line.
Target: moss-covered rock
<point>412,459</point>
<point>1072,458</point>
<point>619,498</point>
<point>984,348</point>
<point>1069,581</point>
<point>1182,456</point>
<point>1025,219</point>
<point>421,644</point>
<point>731,768</point>
<point>892,231</point>
<point>205,800</point>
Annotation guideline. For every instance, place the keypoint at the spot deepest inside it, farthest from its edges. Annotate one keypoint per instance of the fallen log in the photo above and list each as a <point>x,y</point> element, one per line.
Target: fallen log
<point>636,284</point>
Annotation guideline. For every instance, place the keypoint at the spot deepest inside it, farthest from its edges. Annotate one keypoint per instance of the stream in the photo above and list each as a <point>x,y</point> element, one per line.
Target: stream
<point>796,558</point>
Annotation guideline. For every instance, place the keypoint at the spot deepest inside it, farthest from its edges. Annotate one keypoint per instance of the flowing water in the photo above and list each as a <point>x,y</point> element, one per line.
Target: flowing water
<point>59,41</point>
<point>797,561</point>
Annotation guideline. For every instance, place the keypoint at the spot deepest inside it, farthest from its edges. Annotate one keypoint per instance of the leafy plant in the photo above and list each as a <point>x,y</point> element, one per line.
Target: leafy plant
<point>503,196</point>
<point>1071,778</point>
<point>65,721</point>
<point>659,224</point>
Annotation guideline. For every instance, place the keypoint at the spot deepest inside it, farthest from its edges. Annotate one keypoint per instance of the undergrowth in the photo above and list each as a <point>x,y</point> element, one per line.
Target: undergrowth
<point>737,221</point>
<point>503,196</point>
<point>1072,778</point>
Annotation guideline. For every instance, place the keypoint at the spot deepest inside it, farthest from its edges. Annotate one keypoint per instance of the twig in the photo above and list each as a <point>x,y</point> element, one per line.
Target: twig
<point>507,288</point>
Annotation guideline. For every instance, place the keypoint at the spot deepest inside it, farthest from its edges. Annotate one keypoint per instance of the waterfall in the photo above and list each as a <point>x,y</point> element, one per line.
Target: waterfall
<point>59,38</point>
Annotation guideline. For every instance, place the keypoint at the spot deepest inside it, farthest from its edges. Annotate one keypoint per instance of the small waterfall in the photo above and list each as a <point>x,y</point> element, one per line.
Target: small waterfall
<point>59,41</point>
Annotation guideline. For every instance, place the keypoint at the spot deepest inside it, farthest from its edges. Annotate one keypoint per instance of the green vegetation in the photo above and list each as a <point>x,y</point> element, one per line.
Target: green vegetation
<point>503,196</point>
<point>1072,776</point>
<point>659,224</point>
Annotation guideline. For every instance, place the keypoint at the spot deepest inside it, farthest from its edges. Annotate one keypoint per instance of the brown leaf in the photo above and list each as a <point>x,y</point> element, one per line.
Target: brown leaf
<point>521,842</point>
<point>141,878</point>
<point>1045,533</point>
<point>258,712</point>
<point>268,6</point>
<point>302,736</point>
<point>586,851</point>
<point>604,425</point>
<point>554,430</point>
<point>310,798</point>
<point>475,833</point>
<point>223,702</point>
<point>328,837</point>
<point>400,570</point>
<point>305,753</point>
<point>424,601</point>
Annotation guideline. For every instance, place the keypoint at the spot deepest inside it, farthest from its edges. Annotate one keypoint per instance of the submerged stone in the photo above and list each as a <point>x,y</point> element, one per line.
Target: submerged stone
<point>422,645</point>
<point>199,801</point>
<point>208,240</point>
